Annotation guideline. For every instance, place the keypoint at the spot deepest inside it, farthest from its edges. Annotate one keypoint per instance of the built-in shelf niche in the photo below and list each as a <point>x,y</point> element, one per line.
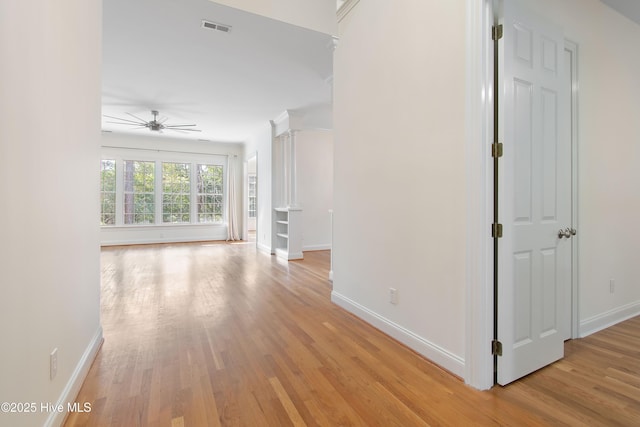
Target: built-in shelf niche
<point>287,217</point>
<point>288,236</point>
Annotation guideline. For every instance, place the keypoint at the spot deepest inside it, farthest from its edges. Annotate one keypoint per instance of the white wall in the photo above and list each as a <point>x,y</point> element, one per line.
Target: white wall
<point>260,144</point>
<point>317,15</point>
<point>314,158</point>
<point>139,147</point>
<point>49,146</point>
<point>399,187</point>
<point>609,155</point>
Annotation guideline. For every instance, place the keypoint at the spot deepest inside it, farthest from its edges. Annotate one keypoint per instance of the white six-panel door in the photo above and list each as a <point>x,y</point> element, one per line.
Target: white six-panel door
<point>534,263</point>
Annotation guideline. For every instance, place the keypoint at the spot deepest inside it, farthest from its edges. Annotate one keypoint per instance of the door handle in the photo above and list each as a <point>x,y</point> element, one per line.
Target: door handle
<point>567,232</point>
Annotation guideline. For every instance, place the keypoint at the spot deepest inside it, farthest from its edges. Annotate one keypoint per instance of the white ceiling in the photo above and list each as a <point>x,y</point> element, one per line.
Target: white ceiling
<point>156,56</point>
<point>629,8</point>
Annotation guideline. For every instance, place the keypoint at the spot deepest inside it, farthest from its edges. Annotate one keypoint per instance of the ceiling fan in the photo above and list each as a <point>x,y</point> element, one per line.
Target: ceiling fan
<point>153,125</point>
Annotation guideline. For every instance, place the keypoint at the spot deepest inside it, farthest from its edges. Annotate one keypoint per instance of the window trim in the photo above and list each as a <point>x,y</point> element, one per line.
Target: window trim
<point>159,157</point>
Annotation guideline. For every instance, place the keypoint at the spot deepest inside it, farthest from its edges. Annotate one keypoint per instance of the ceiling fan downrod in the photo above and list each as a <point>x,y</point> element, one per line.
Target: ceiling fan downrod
<point>155,124</point>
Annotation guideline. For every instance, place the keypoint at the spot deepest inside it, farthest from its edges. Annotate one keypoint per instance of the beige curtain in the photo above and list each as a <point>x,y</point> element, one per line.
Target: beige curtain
<point>233,231</point>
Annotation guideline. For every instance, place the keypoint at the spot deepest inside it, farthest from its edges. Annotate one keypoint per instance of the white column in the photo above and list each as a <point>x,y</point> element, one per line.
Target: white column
<point>293,186</point>
<point>284,147</point>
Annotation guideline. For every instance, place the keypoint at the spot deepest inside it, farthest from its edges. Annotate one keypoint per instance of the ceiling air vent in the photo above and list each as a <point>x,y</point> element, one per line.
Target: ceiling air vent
<point>215,26</point>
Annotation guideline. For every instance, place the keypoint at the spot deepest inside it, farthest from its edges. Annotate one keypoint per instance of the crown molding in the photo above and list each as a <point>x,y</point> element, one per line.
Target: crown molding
<point>345,8</point>
<point>286,121</point>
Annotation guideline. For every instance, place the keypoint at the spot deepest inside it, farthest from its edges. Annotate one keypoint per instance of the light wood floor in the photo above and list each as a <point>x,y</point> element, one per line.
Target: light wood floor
<point>214,334</point>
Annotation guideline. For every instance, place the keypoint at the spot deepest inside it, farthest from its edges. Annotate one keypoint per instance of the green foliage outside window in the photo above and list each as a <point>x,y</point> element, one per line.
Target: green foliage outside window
<point>139,192</point>
<point>176,192</point>
<point>210,193</point>
<point>108,192</point>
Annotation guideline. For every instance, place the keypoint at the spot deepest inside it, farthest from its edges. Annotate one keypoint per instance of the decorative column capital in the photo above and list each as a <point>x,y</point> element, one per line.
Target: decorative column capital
<point>333,43</point>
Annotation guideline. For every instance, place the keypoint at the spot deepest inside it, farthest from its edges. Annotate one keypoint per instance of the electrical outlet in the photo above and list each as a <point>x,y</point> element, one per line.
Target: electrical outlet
<point>393,295</point>
<point>612,286</point>
<point>53,363</point>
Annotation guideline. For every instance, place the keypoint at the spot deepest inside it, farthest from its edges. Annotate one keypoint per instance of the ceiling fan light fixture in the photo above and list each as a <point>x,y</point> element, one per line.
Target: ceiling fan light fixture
<point>153,125</point>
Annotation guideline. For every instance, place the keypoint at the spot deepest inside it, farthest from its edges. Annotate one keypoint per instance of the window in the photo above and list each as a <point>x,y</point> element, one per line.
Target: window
<point>108,192</point>
<point>165,189</point>
<point>210,195</point>
<point>176,193</point>
<point>139,192</point>
<point>252,196</point>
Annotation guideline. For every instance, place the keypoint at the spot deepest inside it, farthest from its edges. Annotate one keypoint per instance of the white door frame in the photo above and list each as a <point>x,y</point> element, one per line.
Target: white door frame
<point>479,182</point>
<point>572,47</point>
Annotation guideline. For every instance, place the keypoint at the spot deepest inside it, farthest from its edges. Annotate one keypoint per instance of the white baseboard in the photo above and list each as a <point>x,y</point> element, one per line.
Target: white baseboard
<point>608,318</point>
<point>289,256</point>
<point>267,249</point>
<point>431,351</point>
<point>134,235</point>
<point>264,248</point>
<point>153,241</point>
<point>310,248</point>
<point>75,382</point>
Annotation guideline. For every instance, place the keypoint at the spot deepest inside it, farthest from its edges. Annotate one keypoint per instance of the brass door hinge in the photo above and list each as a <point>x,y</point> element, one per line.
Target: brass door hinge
<point>496,348</point>
<point>496,230</point>
<point>496,149</point>
<point>496,32</point>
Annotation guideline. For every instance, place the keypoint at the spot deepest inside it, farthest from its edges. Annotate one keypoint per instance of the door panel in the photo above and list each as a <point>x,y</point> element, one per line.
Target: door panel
<point>534,262</point>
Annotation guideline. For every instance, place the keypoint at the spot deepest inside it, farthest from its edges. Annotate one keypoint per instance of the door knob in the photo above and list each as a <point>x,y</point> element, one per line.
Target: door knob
<point>564,233</point>
<point>573,231</point>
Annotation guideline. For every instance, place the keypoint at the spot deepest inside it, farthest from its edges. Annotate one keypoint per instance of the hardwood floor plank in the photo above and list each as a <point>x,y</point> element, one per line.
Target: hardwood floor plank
<point>217,334</point>
<point>288,405</point>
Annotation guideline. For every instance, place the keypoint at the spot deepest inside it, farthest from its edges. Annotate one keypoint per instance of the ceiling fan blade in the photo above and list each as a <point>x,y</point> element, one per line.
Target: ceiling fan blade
<point>124,120</point>
<point>183,130</point>
<point>175,126</point>
<point>142,120</point>
<point>129,124</point>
